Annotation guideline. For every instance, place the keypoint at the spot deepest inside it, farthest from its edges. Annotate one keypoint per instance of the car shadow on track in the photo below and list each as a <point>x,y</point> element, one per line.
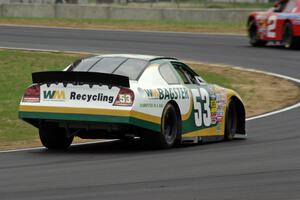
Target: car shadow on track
<point>274,47</point>
<point>135,147</point>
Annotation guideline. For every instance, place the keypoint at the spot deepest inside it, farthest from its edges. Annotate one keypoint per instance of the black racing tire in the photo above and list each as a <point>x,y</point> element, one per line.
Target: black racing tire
<point>252,34</point>
<point>55,138</point>
<point>230,121</point>
<point>289,41</point>
<point>170,128</point>
<point>170,133</point>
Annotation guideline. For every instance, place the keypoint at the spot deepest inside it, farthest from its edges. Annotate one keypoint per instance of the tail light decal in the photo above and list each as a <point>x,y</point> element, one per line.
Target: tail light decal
<point>124,98</point>
<point>32,94</point>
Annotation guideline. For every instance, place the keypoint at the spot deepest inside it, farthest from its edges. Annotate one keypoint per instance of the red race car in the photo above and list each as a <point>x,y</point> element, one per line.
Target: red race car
<point>280,24</point>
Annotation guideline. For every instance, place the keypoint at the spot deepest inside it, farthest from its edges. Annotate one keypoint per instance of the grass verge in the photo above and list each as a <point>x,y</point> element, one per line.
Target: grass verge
<point>260,92</point>
<point>117,24</point>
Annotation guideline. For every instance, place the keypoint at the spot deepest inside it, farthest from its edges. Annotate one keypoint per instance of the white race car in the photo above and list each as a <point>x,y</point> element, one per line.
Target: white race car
<point>158,99</point>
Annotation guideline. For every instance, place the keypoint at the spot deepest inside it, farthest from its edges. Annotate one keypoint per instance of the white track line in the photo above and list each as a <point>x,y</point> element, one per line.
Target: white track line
<point>218,65</point>
<point>39,148</point>
<point>274,112</point>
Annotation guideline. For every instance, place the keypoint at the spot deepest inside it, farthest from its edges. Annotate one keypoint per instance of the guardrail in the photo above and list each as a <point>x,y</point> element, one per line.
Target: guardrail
<point>121,12</point>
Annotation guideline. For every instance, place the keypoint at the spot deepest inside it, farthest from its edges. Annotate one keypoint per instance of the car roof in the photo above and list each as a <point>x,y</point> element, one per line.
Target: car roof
<point>137,56</point>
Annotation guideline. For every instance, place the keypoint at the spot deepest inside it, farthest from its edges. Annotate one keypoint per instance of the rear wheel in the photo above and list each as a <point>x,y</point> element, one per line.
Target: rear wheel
<point>230,121</point>
<point>55,138</point>
<point>170,130</point>
<point>288,39</point>
<point>253,37</point>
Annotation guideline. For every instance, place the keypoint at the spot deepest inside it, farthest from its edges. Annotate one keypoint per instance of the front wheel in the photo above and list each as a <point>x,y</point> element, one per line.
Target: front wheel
<point>55,138</point>
<point>230,121</point>
<point>253,37</point>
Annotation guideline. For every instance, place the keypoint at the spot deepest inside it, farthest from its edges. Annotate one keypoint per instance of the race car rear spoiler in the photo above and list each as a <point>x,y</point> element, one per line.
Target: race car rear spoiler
<point>92,78</point>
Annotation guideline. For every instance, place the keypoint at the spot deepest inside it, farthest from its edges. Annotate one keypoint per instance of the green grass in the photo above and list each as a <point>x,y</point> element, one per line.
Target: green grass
<point>152,25</point>
<point>215,78</point>
<point>15,75</point>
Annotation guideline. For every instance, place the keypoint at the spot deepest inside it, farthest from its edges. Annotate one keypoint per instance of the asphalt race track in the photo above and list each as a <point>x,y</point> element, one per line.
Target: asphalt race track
<point>265,166</point>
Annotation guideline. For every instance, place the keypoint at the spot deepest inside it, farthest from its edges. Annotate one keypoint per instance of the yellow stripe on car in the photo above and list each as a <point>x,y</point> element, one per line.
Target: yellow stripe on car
<point>204,132</point>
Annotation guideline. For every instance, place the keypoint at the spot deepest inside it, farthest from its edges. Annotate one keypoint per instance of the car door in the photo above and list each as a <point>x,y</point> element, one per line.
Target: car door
<point>204,102</point>
<point>271,30</point>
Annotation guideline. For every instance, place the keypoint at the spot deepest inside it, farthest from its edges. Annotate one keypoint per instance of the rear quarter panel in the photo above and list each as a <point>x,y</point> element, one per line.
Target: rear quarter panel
<point>153,94</point>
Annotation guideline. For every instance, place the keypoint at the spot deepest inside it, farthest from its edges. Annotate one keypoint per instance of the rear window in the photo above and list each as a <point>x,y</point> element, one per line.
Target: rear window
<point>130,67</point>
<point>85,64</point>
<point>107,65</point>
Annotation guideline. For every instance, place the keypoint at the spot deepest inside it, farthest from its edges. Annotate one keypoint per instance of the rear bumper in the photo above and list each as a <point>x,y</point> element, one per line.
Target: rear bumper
<point>35,114</point>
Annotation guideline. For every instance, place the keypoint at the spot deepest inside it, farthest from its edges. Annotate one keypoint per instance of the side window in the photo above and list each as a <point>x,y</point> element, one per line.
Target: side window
<point>280,6</point>
<point>190,76</point>
<point>168,74</point>
<point>290,6</point>
<point>182,75</point>
<point>186,74</point>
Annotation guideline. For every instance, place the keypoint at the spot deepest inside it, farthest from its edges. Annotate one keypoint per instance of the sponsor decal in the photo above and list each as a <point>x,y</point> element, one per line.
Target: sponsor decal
<point>167,93</point>
<point>60,95</point>
<point>213,109</point>
<point>54,95</point>
<point>213,106</point>
<point>218,103</point>
<point>213,118</point>
<point>91,97</point>
<point>219,128</point>
<point>151,105</point>
<point>220,119</point>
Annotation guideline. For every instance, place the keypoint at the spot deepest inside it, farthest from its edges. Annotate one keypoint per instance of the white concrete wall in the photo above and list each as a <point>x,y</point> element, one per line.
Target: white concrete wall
<point>28,10</point>
<point>41,1</point>
<point>241,1</point>
<point>119,12</point>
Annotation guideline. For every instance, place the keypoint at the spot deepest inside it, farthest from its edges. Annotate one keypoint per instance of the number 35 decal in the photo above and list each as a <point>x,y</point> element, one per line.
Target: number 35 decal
<point>202,115</point>
<point>272,21</point>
